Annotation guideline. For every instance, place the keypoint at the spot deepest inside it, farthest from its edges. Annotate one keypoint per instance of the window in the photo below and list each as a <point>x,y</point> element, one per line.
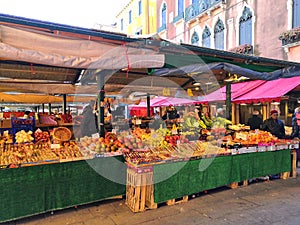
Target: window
<point>296,13</point>
<point>206,37</point>
<point>180,7</point>
<point>219,35</point>
<point>246,27</point>
<point>140,7</point>
<point>122,24</point>
<point>195,38</point>
<point>164,15</point>
<point>130,17</point>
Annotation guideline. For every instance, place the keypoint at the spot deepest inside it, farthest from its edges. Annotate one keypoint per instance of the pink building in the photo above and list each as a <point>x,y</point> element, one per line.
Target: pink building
<point>250,27</point>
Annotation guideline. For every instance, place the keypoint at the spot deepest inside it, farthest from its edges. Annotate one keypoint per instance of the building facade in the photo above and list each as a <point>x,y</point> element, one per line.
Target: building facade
<point>233,25</point>
<point>138,18</point>
<point>290,35</point>
<point>256,27</point>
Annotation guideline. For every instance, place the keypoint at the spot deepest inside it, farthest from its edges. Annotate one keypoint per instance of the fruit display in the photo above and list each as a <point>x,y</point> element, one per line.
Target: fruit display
<point>62,134</point>
<point>23,136</point>
<point>109,143</point>
<point>6,138</point>
<point>180,152</point>
<point>41,136</point>
<point>254,137</point>
<point>24,153</point>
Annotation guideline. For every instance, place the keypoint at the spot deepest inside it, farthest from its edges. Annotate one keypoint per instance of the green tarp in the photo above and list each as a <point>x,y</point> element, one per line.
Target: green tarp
<point>178,179</point>
<point>32,190</point>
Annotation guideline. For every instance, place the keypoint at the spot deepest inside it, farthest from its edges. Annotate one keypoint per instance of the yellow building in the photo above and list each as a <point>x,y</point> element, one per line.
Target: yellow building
<point>138,17</point>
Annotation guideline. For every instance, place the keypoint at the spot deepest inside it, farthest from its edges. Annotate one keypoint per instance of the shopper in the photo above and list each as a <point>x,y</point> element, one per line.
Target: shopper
<point>296,124</point>
<point>88,124</point>
<point>296,129</point>
<point>274,125</point>
<point>255,121</point>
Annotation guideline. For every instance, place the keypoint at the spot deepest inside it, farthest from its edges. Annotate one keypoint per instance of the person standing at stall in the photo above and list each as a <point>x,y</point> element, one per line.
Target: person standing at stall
<point>255,121</point>
<point>88,124</point>
<point>274,125</point>
<point>296,130</point>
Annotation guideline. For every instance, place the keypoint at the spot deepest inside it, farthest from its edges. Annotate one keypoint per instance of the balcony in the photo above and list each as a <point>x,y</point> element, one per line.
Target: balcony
<point>179,17</point>
<point>243,49</point>
<point>290,37</point>
<point>194,10</point>
<point>162,28</point>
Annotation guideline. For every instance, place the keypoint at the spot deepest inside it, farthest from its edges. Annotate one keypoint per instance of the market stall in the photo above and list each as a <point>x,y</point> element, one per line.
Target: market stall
<point>42,172</point>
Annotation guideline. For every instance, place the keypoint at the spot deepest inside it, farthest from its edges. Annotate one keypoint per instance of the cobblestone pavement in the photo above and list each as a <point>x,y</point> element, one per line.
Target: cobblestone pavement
<point>274,202</point>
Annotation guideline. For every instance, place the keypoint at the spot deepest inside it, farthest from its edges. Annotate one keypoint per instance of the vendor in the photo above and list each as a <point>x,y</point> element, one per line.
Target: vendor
<point>274,125</point>
<point>255,121</point>
<point>220,113</point>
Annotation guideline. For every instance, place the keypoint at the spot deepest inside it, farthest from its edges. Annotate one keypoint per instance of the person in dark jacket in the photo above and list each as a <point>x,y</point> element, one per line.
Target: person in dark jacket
<point>296,129</point>
<point>255,121</point>
<point>88,124</point>
<point>274,125</point>
<point>296,124</point>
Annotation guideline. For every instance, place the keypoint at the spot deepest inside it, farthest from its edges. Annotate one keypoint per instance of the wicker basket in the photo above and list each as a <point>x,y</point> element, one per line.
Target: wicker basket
<point>62,134</point>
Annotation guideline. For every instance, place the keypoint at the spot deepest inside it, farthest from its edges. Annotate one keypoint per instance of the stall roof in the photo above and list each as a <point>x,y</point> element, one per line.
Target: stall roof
<point>255,91</point>
<point>237,90</point>
<point>269,91</point>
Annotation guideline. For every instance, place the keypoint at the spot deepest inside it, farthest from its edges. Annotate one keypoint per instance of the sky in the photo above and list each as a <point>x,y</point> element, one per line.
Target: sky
<point>86,13</point>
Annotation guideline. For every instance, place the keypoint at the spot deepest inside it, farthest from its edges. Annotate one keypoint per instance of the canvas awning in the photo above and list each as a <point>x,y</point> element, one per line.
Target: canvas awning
<point>40,99</point>
<point>163,101</point>
<point>237,90</point>
<point>269,91</point>
<point>21,44</point>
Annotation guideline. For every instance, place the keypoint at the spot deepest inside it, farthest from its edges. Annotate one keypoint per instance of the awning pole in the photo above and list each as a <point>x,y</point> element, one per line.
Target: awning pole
<point>228,100</point>
<point>100,104</point>
<point>64,96</point>
<point>148,105</point>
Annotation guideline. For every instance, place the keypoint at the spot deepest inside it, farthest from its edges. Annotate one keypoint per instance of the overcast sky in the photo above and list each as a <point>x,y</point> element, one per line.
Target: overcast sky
<point>86,13</point>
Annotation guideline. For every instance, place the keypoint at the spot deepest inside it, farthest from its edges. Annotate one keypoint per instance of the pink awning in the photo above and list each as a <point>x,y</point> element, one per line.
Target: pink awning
<point>269,91</point>
<point>163,101</point>
<point>237,90</point>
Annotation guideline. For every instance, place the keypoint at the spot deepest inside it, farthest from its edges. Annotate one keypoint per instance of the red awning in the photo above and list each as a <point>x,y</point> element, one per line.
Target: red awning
<point>269,91</point>
<point>237,90</point>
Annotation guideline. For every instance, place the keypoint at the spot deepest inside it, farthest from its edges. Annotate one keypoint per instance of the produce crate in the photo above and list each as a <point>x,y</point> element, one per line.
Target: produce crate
<point>140,189</point>
<point>18,124</point>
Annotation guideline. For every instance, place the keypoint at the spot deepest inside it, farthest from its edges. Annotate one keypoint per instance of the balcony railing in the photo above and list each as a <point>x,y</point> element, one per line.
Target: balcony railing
<point>178,17</point>
<point>243,49</point>
<point>290,36</point>
<point>192,11</point>
<point>162,28</point>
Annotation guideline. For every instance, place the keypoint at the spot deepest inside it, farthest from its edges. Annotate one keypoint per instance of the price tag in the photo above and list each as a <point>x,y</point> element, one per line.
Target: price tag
<point>96,135</point>
<point>174,132</point>
<point>55,146</point>
<point>138,122</point>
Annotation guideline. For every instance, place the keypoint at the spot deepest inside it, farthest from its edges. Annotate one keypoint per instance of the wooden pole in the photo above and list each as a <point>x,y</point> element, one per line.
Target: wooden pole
<point>100,104</point>
<point>148,105</point>
<point>228,100</point>
<point>64,96</point>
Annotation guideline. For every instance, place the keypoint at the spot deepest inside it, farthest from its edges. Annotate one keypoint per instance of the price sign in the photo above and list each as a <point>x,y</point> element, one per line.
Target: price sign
<point>55,146</point>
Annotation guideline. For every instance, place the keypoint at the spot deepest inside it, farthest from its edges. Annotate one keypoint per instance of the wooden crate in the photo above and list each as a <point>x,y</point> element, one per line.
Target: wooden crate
<point>177,201</point>
<point>140,189</point>
<point>294,164</point>
<point>237,184</point>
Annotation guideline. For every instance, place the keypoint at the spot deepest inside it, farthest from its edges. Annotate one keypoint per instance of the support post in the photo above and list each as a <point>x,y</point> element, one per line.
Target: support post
<point>64,96</point>
<point>228,100</point>
<point>49,108</point>
<point>148,105</point>
<point>100,104</point>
